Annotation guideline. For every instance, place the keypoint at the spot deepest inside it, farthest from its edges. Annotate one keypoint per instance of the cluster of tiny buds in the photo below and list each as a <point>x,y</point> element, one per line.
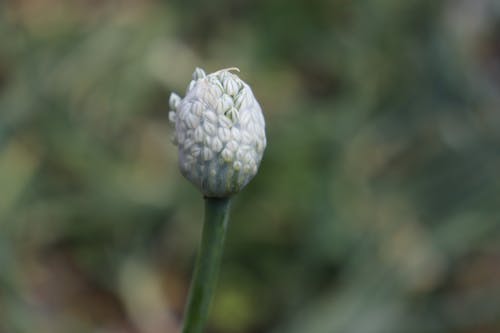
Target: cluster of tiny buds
<point>219,131</point>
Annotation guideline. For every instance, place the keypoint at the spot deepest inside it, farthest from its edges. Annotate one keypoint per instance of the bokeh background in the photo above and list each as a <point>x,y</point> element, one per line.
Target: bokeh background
<point>376,208</point>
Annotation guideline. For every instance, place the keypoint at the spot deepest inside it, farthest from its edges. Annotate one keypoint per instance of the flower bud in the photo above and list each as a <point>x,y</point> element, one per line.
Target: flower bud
<point>219,131</point>
<point>174,101</point>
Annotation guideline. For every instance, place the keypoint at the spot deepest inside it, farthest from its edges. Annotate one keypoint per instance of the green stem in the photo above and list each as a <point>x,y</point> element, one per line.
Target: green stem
<point>207,264</point>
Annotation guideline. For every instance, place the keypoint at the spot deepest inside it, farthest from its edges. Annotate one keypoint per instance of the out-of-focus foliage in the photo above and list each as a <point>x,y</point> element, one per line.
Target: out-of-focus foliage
<point>376,208</point>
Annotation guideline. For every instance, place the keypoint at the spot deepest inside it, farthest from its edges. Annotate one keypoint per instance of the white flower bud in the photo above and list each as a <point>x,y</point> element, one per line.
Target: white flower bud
<point>230,86</point>
<point>198,74</point>
<point>171,117</point>
<point>232,114</point>
<point>220,132</point>
<point>174,101</point>
<point>224,103</point>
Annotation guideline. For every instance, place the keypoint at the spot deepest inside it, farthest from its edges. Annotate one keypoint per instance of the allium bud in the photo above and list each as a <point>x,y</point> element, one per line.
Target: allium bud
<point>219,131</point>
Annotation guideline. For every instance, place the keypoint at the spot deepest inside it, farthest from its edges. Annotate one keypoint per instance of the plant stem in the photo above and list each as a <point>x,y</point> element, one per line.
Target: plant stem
<point>207,264</point>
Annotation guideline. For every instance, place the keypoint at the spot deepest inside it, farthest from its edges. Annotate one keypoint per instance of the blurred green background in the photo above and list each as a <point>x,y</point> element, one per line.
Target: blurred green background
<point>376,208</point>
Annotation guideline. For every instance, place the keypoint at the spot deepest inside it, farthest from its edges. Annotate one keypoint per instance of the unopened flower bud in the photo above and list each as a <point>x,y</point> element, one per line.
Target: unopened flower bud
<point>198,74</point>
<point>174,101</point>
<point>219,131</point>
